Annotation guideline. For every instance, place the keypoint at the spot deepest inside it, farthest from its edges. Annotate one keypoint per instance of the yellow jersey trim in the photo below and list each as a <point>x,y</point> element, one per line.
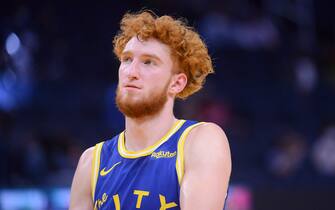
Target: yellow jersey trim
<point>180,151</point>
<point>147,151</point>
<point>95,167</point>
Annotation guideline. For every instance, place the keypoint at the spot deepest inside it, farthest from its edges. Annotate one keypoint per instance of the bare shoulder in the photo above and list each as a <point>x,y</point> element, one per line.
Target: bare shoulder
<point>209,128</point>
<point>207,146</point>
<point>207,137</point>
<point>80,197</point>
<point>207,168</point>
<point>84,166</point>
<point>86,158</point>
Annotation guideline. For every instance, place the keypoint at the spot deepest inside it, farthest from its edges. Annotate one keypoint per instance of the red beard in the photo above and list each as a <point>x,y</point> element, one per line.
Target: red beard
<point>147,106</point>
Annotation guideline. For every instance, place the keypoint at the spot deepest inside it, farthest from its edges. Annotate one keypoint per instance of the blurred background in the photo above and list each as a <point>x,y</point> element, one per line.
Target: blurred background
<point>273,93</point>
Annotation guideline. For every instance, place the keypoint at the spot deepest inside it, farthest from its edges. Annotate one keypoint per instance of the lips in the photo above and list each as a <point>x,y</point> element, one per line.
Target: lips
<point>130,86</point>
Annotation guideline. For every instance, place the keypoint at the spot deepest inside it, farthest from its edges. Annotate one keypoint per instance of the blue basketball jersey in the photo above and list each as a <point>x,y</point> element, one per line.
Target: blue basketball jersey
<point>148,179</point>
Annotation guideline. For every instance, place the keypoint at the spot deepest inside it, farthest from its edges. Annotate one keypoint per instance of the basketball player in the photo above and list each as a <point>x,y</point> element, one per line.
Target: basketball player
<point>158,161</point>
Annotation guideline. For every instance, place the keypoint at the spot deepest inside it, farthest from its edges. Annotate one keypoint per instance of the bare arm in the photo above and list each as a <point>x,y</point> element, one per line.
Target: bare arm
<point>207,169</point>
<point>81,198</point>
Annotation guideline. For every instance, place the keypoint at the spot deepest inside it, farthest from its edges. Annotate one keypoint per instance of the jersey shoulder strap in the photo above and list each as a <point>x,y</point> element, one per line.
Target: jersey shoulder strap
<point>95,166</point>
<point>180,148</point>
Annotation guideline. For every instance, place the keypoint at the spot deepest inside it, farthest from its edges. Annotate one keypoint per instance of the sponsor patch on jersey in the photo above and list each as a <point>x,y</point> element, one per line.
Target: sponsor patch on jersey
<point>163,154</point>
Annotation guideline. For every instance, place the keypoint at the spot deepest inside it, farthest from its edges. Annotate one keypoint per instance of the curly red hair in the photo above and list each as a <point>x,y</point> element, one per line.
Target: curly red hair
<point>186,46</point>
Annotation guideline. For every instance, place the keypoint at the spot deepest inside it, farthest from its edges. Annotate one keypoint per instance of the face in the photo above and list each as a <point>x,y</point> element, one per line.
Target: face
<point>145,74</point>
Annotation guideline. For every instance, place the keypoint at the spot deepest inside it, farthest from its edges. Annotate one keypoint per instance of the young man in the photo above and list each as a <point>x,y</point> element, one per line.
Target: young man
<point>158,162</point>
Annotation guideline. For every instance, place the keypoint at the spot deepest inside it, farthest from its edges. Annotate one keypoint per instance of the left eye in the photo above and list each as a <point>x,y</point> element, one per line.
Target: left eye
<point>148,62</point>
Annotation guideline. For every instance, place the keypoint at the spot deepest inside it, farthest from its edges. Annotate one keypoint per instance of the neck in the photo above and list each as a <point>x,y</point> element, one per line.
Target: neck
<point>146,131</point>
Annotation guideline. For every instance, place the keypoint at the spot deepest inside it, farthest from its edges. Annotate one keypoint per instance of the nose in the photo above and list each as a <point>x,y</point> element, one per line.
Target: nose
<point>133,70</point>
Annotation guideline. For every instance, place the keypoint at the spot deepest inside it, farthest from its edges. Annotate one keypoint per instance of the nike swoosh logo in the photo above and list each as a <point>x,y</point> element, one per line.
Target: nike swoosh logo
<point>104,173</point>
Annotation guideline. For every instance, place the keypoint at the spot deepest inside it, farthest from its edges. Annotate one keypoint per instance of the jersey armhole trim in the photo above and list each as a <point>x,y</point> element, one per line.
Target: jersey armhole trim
<point>95,167</point>
<point>180,151</point>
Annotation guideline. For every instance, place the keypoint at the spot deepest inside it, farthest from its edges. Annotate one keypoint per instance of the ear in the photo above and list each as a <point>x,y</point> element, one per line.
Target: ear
<point>178,83</point>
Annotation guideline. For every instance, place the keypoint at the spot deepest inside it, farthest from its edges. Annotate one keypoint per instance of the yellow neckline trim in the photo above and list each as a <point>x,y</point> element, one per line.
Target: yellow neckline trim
<point>147,151</point>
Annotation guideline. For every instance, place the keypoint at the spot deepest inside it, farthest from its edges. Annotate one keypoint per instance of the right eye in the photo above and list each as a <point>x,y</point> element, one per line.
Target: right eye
<point>126,59</point>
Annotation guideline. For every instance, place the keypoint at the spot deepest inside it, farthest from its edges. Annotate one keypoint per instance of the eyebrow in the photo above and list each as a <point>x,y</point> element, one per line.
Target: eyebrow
<point>146,55</point>
<point>152,56</point>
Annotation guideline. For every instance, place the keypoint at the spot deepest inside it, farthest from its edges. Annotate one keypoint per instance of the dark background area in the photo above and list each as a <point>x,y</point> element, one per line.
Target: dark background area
<point>273,91</point>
